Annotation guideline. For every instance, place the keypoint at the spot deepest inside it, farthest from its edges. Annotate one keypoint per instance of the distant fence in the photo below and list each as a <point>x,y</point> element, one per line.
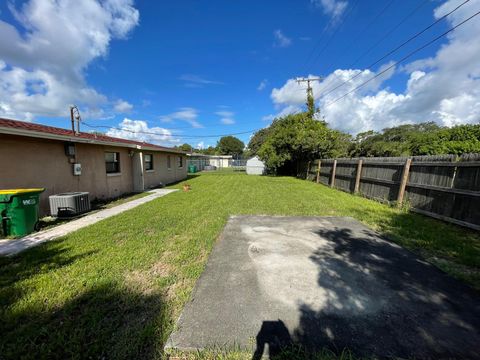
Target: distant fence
<point>236,164</point>
<point>239,164</point>
<point>445,187</point>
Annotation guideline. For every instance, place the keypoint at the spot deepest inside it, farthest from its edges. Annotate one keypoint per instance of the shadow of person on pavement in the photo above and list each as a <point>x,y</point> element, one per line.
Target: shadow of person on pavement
<point>274,334</point>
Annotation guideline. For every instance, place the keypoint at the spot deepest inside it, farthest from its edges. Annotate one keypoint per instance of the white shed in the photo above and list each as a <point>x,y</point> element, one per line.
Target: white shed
<point>255,166</point>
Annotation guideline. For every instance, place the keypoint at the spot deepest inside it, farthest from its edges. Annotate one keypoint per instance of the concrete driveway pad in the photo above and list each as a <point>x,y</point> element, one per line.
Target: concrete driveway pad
<point>325,282</point>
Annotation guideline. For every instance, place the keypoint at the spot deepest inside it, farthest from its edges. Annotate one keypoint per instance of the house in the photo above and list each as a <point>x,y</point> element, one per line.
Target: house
<point>201,160</point>
<point>221,161</point>
<point>255,166</point>
<point>60,160</point>
<point>198,160</point>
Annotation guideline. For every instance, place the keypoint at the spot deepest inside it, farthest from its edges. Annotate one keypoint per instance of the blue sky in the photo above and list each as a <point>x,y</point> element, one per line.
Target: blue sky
<point>189,69</point>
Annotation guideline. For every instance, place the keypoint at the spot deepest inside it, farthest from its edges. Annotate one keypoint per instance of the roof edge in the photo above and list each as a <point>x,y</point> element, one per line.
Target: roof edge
<point>49,136</point>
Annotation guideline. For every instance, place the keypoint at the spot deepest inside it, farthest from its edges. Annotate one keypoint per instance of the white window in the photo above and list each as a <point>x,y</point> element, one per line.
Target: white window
<point>112,162</point>
<point>148,162</point>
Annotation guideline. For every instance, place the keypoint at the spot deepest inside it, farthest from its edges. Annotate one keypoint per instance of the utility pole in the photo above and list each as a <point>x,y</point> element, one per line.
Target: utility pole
<point>310,98</point>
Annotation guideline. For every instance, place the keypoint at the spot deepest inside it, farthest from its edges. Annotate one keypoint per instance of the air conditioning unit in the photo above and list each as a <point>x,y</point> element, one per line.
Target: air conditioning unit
<point>69,204</point>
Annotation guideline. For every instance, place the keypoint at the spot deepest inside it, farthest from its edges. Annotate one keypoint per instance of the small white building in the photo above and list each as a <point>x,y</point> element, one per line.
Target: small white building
<point>255,166</point>
<point>220,161</point>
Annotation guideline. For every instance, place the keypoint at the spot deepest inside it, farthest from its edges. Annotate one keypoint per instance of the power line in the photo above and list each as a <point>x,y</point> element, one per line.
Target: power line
<point>403,59</point>
<point>163,134</point>
<point>331,37</point>
<point>410,14</point>
<point>396,48</point>
<point>360,34</point>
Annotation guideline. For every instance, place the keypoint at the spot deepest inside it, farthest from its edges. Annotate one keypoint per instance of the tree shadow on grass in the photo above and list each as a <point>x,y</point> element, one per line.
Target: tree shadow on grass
<point>32,262</point>
<point>381,301</point>
<point>105,321</point>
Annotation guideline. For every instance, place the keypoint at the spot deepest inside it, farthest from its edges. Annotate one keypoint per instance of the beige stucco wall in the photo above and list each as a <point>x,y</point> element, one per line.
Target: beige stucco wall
<point>161,173</point>
<point>29,162</point>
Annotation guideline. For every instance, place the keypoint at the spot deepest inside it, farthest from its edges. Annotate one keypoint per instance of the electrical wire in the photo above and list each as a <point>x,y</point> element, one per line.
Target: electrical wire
<point>360,34</point>
<point>163,134</point>
<point>390,32</point>
<point>403,59</point>
<point>331,37</point>
<point>391,52</point>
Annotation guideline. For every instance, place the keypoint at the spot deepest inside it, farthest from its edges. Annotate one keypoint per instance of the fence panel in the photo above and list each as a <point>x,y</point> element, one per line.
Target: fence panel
<point>326,171</point>
<point>345,175</point>
<point>444,187</point>
<point>380,178</point>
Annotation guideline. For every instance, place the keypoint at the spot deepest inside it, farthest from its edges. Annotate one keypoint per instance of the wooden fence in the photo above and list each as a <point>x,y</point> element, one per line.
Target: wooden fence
<point>445,187</point>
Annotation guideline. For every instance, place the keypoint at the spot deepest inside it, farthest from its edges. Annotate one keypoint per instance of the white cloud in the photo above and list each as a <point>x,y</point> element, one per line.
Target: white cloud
<point>262,85</point>
<point>122,106</point>
<point>44,60</point>
<point>201,145</point>
<point>186,114</point>
<point>444,88</point>
<point>227,121</point>
<point>280,39</point>
<point>226,117</point>
<point>139,130</point>
<point>332,8</point>
<point>288,110</point>
<point>195,81</point>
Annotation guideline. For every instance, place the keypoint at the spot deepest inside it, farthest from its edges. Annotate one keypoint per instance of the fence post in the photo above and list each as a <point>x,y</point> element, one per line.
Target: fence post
<point>334,169</point>
<point>318,171</point>
<point>403,181</point>
<point>358,177</point>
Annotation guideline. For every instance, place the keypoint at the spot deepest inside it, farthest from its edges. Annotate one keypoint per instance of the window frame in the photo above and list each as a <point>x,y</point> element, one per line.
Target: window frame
<point>180,162</point>
<point>152,167</point>
<point>116,162</point>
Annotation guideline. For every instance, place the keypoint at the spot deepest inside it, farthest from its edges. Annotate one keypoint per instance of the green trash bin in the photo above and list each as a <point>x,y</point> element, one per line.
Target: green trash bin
<point>19,211</point>
<point>192,169</point>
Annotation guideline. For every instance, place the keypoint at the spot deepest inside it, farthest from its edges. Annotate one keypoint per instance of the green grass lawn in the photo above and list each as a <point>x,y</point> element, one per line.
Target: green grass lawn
<point>49,221</point>
<point>115,289</point>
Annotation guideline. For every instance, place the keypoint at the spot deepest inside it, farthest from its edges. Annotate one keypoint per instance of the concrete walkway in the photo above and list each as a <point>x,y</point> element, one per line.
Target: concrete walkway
<point>325,282</point>
<point>12,247</point>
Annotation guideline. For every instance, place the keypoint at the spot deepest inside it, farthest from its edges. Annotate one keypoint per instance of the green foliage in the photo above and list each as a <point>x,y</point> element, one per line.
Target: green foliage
<point>185,147</point>
<point>297,138</point>
<point>310,104</point>
<point>211,150</point>
<point>419,139</point>
<point>230,145</point>
<point>257,140</point>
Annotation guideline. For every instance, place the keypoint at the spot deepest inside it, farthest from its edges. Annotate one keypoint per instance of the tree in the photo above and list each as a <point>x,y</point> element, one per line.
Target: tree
<point>298,138</point>
<point>418,139</point>
<point>185,147</point>
<point>211,150</point>
<point>257,140</point>
<point>230,145</point>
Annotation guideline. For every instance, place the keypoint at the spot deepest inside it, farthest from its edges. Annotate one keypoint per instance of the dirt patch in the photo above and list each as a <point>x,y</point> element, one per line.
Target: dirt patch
<point>139,281</point>
<point>161,269</point>
<point>144,280</point>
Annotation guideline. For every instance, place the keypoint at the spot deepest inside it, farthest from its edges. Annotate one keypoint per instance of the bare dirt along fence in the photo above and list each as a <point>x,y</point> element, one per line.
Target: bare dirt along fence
<point>445,187</point>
